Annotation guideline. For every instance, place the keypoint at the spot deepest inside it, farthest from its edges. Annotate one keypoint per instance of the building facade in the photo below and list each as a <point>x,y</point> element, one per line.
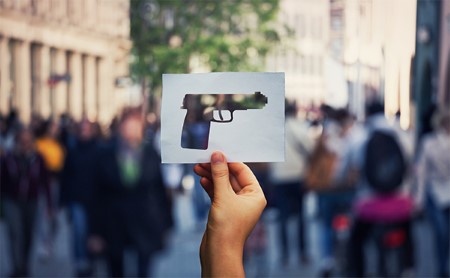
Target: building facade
<point>302,58</point>
<point>379,45</point>
<point>348,52</point>
<point>63,56</point>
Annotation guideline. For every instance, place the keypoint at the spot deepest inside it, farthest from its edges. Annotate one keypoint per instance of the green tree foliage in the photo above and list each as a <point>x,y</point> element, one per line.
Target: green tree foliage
<point>169,36</point>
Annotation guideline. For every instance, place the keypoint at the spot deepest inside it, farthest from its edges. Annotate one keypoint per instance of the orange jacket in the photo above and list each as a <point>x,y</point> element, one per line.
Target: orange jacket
<point>52,152</point>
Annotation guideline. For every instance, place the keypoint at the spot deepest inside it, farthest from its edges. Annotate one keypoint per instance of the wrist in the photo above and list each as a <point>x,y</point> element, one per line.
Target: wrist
<point>226,245</point>
<point>221,255</point>
<point>229,238</point>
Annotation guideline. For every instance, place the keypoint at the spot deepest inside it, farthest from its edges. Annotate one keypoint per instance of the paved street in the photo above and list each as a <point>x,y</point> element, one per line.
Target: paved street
<point>181,258</point>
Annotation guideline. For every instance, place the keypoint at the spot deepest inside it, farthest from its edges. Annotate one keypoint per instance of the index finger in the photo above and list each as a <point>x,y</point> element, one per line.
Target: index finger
<point>201,171</point>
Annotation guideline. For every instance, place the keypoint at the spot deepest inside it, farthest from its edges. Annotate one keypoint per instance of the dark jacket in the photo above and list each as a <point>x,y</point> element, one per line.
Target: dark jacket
<point>23,178</point>
<point>78,175</point>
<point>138,215</point>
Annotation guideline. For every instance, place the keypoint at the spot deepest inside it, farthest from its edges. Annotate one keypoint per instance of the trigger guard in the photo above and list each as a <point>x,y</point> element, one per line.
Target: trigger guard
<point>219,118</point>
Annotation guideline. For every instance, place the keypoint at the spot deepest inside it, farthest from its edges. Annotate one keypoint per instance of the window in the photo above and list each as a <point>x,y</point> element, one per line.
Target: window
<point>320,65</point>
<point>52,72</point>
<point>336,23</point>
<point>319,29</point>
<point>97,85</point>
<point>301,25</point>
<point>307,64</point>
<point>303,64</point>
<point>83,83</point>
<point>35,77</point>
<point>69,84</point>
<point>12,72</point>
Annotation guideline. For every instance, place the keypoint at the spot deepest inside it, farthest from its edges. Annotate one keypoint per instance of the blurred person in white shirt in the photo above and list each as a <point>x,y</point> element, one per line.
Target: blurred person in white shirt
<point>287,178</point>
<point>433,177</point>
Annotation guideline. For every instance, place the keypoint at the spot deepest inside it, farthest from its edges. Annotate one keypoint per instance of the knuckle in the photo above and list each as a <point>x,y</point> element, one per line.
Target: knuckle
<point>262,200</point>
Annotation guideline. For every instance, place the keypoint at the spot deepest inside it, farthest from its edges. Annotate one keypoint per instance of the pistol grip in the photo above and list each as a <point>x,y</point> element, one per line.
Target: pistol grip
<point>195,135</point>
<point>185,136</point>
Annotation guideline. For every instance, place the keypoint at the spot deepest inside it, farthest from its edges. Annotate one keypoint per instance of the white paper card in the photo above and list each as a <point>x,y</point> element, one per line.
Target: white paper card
<point>222,103</point>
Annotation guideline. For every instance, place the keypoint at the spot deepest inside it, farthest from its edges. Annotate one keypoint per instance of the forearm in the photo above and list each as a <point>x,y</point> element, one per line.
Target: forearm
<point>221,256</point>
<point>237,204</point>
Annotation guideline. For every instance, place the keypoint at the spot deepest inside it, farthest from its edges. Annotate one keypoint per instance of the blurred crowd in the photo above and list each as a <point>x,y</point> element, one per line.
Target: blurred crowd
<point>109,183</point>
<point>371,181</point>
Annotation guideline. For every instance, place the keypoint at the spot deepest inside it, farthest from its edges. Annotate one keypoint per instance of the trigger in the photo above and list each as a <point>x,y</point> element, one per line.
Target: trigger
<point>222,115</point>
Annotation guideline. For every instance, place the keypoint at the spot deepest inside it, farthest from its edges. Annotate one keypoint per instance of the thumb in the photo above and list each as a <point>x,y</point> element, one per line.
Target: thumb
<point>220,174</point>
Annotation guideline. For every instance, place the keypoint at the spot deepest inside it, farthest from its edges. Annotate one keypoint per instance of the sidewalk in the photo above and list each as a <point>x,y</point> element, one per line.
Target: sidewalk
<point>181,258</point>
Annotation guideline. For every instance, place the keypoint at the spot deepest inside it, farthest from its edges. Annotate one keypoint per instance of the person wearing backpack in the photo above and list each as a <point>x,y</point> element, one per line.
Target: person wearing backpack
<point>327,175</point>
<point>381,160</point>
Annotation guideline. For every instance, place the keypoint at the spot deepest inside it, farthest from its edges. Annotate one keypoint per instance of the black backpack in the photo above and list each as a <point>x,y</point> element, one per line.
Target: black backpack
<point>385,164</point>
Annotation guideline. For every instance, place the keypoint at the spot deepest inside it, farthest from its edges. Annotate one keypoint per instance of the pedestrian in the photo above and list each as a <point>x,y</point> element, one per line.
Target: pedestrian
<point>24,176</point>
<point>77,193</point>
<point>433,175</point>
<point>50,148</point>
<point>7,133</point>
<point>381,159</point>
<point>131,205</point>
<point>288,182</point>
<point>329,176</point>
<point>3,134</point>
<point>53,153</point>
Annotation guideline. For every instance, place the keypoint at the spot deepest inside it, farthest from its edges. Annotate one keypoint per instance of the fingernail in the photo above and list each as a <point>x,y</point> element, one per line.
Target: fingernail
<point>217,157</point>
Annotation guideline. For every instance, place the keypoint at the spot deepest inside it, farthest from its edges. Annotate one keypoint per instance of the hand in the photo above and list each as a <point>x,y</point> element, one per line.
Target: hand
<point>237,202</point>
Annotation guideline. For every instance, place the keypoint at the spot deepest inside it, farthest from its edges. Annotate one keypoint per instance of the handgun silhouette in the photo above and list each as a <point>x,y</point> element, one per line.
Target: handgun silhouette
<point>202,109</point>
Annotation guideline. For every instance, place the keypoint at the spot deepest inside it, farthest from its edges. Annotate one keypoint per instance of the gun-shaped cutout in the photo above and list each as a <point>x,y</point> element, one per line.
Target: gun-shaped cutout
<point>202,109</point>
